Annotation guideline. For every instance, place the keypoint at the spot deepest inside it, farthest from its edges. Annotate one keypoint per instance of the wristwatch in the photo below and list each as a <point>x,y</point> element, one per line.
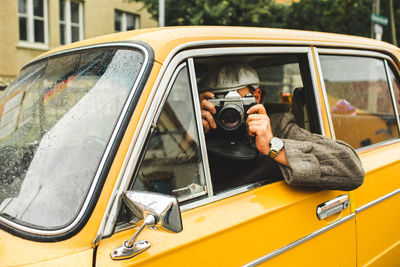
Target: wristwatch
<point>276,145</point>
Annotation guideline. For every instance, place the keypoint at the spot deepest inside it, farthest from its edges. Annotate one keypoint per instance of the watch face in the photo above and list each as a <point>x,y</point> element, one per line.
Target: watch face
<point>276,144</point>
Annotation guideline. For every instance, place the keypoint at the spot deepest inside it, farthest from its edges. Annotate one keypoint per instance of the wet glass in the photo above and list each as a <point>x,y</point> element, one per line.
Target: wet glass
<point>359,99</point>
<point>56,120</point>
<point>172,163</point>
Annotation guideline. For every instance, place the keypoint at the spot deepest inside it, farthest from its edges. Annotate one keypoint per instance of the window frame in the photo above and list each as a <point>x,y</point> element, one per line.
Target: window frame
<point>358,53</point>
<point>67,22</point>
<point>124,20</point>
<point>155,104</point>
<point>30,26</point>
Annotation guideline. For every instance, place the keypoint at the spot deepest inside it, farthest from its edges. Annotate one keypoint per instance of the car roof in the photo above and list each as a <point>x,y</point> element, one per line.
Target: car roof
<point>166,39</point>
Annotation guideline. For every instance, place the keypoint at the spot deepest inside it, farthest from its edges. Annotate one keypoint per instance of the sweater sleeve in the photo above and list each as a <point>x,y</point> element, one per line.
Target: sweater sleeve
<point>316,161</point>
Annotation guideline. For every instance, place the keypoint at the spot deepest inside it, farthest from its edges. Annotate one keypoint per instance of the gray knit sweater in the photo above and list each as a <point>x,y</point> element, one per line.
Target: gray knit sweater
<point>314,160</point>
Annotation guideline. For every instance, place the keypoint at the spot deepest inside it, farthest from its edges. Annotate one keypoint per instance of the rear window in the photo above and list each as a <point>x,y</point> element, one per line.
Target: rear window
<point>359,99</point>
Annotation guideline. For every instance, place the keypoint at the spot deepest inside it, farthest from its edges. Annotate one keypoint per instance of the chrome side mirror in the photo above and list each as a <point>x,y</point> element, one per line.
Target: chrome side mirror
<point>155,210</point>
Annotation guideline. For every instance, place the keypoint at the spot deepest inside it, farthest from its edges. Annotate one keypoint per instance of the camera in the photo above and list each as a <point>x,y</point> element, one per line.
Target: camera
<point>231,109</point>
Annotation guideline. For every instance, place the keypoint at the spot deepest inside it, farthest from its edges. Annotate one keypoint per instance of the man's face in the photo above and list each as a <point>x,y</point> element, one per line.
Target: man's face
<point>245,90</point>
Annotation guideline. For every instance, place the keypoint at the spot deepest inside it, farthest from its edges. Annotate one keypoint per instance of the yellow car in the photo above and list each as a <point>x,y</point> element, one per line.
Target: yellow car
<point>104,158</point>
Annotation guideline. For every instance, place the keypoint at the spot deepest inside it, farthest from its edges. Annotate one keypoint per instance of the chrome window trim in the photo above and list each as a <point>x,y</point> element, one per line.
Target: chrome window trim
<point>313,71</point>
<point>396,112</point>
<point>299,241</point>
<point>377,201</point>
<point>222,195</point>
<point>324,94</point>
<point>153,104</point>
<point>202,138</point>
<point>378,145</point>
<point>349,52</point>
<point>108,148</point>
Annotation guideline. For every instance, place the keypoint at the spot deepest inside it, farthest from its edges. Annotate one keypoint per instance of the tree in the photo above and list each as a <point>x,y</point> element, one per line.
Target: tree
<point>343,16</point>
<point>216,12</point>
<point>338,16</point>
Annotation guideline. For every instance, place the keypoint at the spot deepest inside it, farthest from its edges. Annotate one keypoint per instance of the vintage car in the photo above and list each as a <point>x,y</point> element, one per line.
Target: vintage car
<point>104,158</point>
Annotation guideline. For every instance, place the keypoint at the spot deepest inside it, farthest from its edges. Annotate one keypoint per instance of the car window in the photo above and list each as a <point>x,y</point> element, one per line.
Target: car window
<point>359,99</point>
<point>395,81</point>
<point>172,162</point>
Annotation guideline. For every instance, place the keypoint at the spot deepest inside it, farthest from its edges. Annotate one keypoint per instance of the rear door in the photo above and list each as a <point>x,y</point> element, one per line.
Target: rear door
<point>260,222</point>
<point>362,89</point>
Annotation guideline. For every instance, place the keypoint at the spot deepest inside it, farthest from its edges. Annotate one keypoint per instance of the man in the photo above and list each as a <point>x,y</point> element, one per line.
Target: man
<point>285,149</point>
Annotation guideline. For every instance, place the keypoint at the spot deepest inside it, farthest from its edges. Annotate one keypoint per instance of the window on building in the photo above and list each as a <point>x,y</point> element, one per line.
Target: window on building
<point>32,15</point>
<point>125,21</point>
<point>71,21</point>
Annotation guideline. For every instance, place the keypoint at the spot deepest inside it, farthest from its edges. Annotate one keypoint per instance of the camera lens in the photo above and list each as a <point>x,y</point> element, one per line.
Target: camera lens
<point>231,117</point>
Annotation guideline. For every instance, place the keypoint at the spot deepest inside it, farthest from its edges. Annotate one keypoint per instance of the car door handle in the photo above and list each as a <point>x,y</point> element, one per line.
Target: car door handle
<point>332,207</point>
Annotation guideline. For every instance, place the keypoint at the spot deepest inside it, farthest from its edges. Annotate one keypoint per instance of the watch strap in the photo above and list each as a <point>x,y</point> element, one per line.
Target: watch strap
<point>272,154</point>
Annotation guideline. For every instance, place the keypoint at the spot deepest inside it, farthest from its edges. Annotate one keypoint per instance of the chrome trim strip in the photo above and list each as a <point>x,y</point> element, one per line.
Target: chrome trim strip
<point>271,43</point>
<point>396,112</point>
<point>152,105</point>
<point>324,94</point>
<point>200,131</point>
<point>299,242</point>
<point>108,148</point>
<point>348,52</point>
<point>376,145</point>
<point>378,200</point>
<point>220,196</point>
<point>313,72</point>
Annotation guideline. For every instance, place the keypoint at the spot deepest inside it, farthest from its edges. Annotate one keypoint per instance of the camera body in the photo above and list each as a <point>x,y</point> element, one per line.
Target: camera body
<point>231,110</point>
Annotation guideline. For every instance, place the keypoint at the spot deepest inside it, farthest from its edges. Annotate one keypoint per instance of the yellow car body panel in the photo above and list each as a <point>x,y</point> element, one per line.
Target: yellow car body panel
<point>242,225</point>
<point>260,221</point>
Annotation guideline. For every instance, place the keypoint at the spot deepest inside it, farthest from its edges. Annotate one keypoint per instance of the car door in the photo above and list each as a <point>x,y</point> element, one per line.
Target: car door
<point>251,223</point>
<point>362,89</point>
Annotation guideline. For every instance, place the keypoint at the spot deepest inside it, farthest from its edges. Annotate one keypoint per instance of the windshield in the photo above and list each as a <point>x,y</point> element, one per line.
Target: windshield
<point>56,120</point>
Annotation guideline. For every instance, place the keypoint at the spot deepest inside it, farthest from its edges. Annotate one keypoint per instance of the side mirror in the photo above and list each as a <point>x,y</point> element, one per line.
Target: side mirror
<point>155,210</point>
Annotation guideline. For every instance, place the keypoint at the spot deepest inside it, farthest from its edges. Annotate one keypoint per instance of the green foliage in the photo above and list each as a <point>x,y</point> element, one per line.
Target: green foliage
<point>338,16</point>
<point>216,12</point>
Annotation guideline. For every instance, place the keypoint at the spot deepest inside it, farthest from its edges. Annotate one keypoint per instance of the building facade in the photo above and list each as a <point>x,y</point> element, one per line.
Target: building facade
<point>31,27</point>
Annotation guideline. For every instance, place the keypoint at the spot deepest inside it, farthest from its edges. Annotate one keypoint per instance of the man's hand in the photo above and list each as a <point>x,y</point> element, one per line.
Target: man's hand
<point>259,126</point>
<point>207,109</point>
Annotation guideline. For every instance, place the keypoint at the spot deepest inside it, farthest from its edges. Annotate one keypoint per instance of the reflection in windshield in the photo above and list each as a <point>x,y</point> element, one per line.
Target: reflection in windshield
<point>55,122</point>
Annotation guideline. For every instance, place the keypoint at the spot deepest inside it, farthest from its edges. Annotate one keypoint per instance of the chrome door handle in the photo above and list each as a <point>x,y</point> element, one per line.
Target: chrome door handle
<point>332,207</point>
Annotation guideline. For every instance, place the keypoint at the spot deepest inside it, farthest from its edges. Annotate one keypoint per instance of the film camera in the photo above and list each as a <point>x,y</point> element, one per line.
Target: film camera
<point>231,109</point>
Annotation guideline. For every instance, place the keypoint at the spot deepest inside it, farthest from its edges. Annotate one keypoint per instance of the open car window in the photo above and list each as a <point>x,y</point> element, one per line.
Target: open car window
<point>286,87</point>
